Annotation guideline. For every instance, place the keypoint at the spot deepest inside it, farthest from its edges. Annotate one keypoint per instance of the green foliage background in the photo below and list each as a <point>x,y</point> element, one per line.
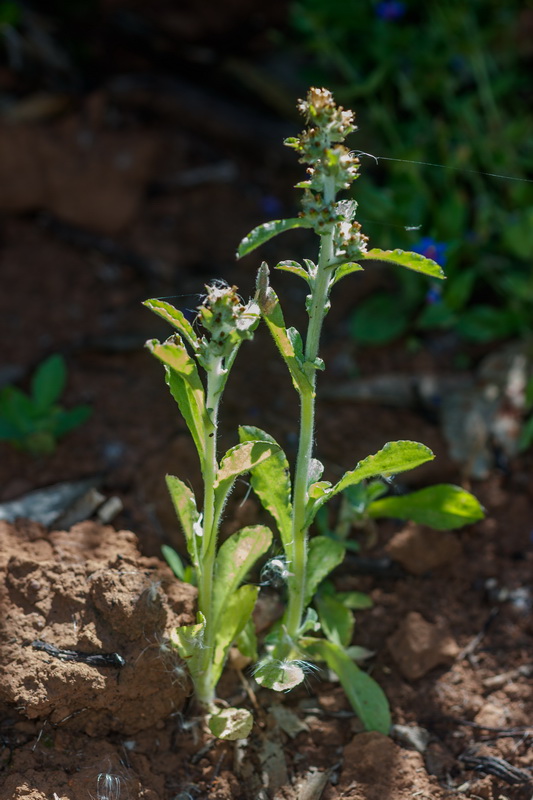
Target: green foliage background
<point>443,83</point>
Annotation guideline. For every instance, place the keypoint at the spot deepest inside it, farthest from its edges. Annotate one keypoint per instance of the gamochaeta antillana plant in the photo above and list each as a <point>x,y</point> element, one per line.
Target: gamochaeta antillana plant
<point>307,561</point>
<point>306,633</point>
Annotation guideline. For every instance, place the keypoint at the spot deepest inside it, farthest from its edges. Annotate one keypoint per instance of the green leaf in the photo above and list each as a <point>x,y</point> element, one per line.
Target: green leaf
<point>185,386</point>
<point>235,558</point>
<point>336,620</point>
<point>412,261</point>
<point>184,504</point>
<point>231,724</point>
<point>271,482</point>
<point>365,695</point>
<point>238,460</point>
<point>294,267</point>
<point>189,642</point>
<point>343,270</point>
<point>310,622</point>
<point>229,625</point>
<point>71,419</point>
<point>246,641</point>
<point>267,231</point>
<point>438,315</point>
<point>18,410</point>
<point>324,555</point>
<point>48,382</point>
<point>393,458</point>
<point>174,561</point>
<point>279,675</point>
<point>483,323</point>
<point>272,314</point>
<point>379,319</point>
<point>295,339</point>
<point>355,600</point>
<point>443,507</point>
<point>8,431</point>
<point>176,318</point>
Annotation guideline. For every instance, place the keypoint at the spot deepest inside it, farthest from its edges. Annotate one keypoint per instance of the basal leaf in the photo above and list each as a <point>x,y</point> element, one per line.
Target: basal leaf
<point>48,382</point>
<point>238,460</point>
<point>402,258</point>
<point>175,317</point>
<point>279,675</point>
<point>271,482</point>
<point>189,642</point>
<point>443,507</point>
<point>246,641</point>
<point>174,561</point>
<point>184,504</point>
<point>365,695</point>
<point>336,620</point>
<point>237,611</point>
<point>267,231</point>
<point>231,724</point>
<point>235,558</point>
<point>273,316</point>
<point>324,555</point>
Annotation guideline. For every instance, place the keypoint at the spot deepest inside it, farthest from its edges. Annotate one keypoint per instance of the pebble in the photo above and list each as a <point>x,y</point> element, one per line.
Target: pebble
<point>420,549</point>
<point>417,646</point>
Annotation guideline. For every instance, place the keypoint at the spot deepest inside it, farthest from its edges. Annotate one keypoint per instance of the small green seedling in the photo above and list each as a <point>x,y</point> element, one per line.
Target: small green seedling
<point>224,605</point>
<point>294,642</point>
<point>36,422</point>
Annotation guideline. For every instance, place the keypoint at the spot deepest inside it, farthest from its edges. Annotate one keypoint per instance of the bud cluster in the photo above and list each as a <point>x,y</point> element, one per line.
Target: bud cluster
<point>330,164</point>
<point>228,321</point>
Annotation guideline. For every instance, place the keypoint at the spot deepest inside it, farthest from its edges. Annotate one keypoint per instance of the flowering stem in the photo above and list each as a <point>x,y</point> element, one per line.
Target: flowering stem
<point>317,312</point>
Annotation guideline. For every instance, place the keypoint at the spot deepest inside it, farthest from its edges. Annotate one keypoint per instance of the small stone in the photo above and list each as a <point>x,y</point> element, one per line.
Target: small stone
<point>420,549</point>
<point>492,715</point>
<point>412,736</point>
<point>418,646</point>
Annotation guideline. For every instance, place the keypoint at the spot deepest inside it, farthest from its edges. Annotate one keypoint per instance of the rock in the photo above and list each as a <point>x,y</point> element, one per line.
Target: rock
<point>418,646</point>
<point>420,549</point>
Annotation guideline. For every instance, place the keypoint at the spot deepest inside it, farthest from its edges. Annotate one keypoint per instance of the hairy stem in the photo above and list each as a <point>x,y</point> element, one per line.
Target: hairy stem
<point>317,312</point>
<point>204,685</point>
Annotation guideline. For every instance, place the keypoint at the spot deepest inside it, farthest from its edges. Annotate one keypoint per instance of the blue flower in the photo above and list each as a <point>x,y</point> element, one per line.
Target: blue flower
<point>390,9</point>
<point>271,205</point>
<point>434,295</point>
<point>429,248</point>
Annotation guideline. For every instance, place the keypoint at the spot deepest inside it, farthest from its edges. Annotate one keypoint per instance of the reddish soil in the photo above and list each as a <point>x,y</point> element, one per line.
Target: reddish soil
<point>452,618</point>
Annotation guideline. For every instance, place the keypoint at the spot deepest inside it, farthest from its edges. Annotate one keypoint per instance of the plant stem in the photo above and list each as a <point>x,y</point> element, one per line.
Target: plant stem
<point>205,690</point>
<point>317,312</point>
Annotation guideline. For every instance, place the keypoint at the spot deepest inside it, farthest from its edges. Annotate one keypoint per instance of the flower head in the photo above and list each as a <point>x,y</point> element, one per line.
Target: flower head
<point>227,319</point>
